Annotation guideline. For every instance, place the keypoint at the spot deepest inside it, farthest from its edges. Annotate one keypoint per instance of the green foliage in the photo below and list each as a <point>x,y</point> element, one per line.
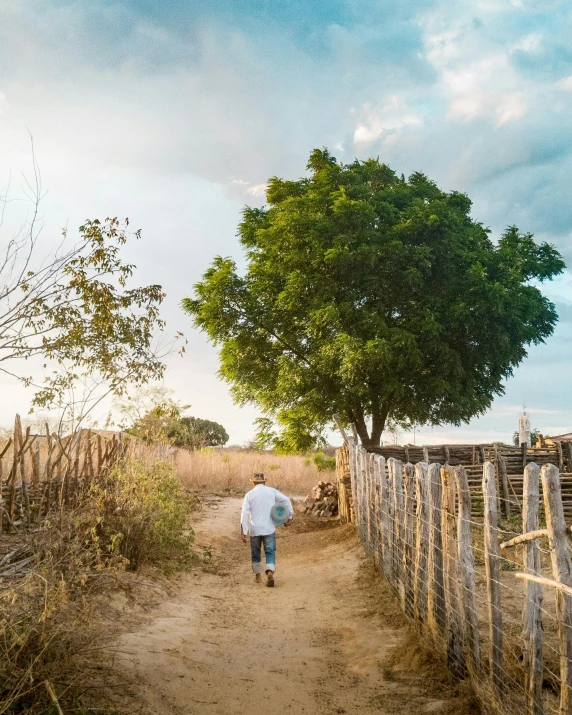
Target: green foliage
<point>141,515</point>
<point>323,462</point>
<point>534,436</point>
<point>78,311</point>
<point>154,416</point>
<point>370,295</point>
<point>196,433</point>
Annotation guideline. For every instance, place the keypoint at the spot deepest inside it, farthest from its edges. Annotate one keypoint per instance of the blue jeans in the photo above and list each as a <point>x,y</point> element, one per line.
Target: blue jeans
<point>256,543</point>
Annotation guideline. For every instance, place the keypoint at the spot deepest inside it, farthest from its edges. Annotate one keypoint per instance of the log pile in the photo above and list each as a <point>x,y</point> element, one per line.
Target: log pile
<point>323,500</point>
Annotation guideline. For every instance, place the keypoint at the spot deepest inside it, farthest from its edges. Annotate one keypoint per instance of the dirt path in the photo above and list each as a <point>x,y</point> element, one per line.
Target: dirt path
<point>327,639</point>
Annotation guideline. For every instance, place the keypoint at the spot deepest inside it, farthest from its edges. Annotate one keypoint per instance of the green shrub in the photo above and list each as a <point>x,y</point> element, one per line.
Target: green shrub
<point>141,515</point>
<point>324,463</point>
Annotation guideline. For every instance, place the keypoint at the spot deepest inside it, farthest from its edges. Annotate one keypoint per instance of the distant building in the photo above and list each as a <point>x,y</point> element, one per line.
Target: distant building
<point>558,438</point>
<point>524,430</point>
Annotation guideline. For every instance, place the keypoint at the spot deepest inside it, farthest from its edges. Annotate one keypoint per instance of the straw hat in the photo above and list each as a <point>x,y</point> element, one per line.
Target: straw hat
<point>258,477</point>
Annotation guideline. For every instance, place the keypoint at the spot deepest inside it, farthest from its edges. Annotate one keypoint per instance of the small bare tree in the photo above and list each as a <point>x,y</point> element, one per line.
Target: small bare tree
<point>76,309</point>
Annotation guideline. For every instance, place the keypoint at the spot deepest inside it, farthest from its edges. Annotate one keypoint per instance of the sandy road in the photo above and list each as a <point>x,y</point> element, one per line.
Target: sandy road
<point>328,638</point>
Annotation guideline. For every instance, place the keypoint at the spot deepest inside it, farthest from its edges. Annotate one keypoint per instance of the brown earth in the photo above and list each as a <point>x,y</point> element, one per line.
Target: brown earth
<point>329,638</point>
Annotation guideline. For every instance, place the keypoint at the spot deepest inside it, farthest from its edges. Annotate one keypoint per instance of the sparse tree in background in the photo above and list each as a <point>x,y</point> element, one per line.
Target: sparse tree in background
<point>196,433</point>
<point>374,297</point>
<point>73,307</point>
<point>154,416</point>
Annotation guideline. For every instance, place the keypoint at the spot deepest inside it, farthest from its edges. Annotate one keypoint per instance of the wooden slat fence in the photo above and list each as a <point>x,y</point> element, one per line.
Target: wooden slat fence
<point>493,593</point>
<point>41,471</point>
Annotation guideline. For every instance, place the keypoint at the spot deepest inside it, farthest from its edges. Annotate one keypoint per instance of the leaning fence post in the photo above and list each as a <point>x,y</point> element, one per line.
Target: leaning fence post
<point>562,572</point>
<point>408,536</point>
<point>467,568</point>
<point>436,595</point>
<point>421,542</point>
<point>532,618</point>
<point>492,575</point>
<point>455,648</point>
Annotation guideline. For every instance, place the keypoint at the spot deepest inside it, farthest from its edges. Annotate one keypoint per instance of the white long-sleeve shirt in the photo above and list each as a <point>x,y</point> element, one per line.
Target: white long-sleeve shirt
<point>255,518</point>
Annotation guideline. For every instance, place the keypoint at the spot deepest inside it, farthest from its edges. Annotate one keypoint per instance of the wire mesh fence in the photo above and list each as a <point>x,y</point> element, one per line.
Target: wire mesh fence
<point>481,568</point>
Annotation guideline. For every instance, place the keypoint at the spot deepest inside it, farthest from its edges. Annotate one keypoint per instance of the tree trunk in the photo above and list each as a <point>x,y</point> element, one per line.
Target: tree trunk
<point>379,418</point>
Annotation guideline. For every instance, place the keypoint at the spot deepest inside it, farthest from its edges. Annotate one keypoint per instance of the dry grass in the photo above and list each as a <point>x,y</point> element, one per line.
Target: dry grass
<point>231,470</point>
<point>49,630</point>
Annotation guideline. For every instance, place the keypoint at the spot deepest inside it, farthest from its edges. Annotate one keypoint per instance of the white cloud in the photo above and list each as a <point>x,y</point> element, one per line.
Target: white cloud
<point>529,43</point>
<point>376,122</point>
<point>565,84</point>
<point>247,187</point>
<point>256,190</point>
<point>502,109</point>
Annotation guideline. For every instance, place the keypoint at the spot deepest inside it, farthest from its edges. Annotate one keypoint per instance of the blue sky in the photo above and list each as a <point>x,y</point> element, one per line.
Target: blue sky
<point>176,113</point>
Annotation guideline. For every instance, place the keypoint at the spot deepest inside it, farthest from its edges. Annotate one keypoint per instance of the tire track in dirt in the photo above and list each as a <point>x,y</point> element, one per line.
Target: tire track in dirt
<point>329,638</point>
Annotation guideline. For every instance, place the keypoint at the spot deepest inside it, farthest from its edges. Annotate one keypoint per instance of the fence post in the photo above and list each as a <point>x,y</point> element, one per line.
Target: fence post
<point>396,476</point>
<point>503,481</point>
<point>492,575</point>
<point>373,513</point>
<point>436,595</point>
<point>366,495</point>
<point>468,577</point>
<point>455,649</point>
<point>391,518</point>
<point>378,551</point>
<point>568,446</point>
<point>408,534</point>
<point>421,542</point>
<point>560,456</point>
<point>532,618</point>
<point>362,486</point>
<point>562,572</point>
<point>385,521</point>
<point>352,447</point>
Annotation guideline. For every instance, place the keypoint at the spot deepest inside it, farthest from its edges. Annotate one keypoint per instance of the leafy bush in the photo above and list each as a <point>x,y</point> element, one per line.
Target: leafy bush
<point>323,462</point>
<point>141,515</point>
<point>137,514</point>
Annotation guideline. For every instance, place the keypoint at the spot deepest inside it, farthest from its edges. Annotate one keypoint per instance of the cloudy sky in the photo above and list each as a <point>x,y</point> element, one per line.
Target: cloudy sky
<point>175,113</point>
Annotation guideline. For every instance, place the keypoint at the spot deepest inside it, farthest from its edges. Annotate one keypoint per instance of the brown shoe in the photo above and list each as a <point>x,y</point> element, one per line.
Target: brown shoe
<point>258,578</point>
<point>270,582</point>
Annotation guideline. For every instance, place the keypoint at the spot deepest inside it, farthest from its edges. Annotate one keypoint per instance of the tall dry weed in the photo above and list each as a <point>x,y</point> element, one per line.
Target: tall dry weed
<point>48,631</point>
<point>231,470</point>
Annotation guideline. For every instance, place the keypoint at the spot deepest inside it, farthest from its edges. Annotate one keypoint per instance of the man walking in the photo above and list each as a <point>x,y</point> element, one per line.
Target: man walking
<point>256,520</point>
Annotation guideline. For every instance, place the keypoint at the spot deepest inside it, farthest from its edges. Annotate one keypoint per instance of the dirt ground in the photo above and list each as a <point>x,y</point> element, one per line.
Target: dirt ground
<point>329,638</point>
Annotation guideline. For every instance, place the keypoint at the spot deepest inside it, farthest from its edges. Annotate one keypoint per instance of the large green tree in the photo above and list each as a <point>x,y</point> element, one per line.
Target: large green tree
<point>371,296</point>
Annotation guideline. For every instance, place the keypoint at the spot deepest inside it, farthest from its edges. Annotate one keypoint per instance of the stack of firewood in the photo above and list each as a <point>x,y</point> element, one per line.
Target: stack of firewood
<point>323,500</point>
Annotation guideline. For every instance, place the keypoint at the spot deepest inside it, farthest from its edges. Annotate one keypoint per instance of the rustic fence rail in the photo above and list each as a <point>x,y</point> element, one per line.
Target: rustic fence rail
<point>40,472</point>
<point>490,587</point>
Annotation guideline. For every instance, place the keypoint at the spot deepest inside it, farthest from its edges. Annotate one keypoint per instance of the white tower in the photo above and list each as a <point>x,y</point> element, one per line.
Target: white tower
<point>524,430</point>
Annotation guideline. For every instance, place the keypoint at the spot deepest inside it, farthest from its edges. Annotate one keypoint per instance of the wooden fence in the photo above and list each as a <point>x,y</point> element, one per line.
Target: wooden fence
<point>509,463</point>
<point>494,594</point>
<point>40,472</point>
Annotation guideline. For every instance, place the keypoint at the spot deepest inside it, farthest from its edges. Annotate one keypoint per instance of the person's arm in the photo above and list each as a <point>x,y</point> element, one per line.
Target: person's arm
<point>244,518</point>
<point>283,499</point>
